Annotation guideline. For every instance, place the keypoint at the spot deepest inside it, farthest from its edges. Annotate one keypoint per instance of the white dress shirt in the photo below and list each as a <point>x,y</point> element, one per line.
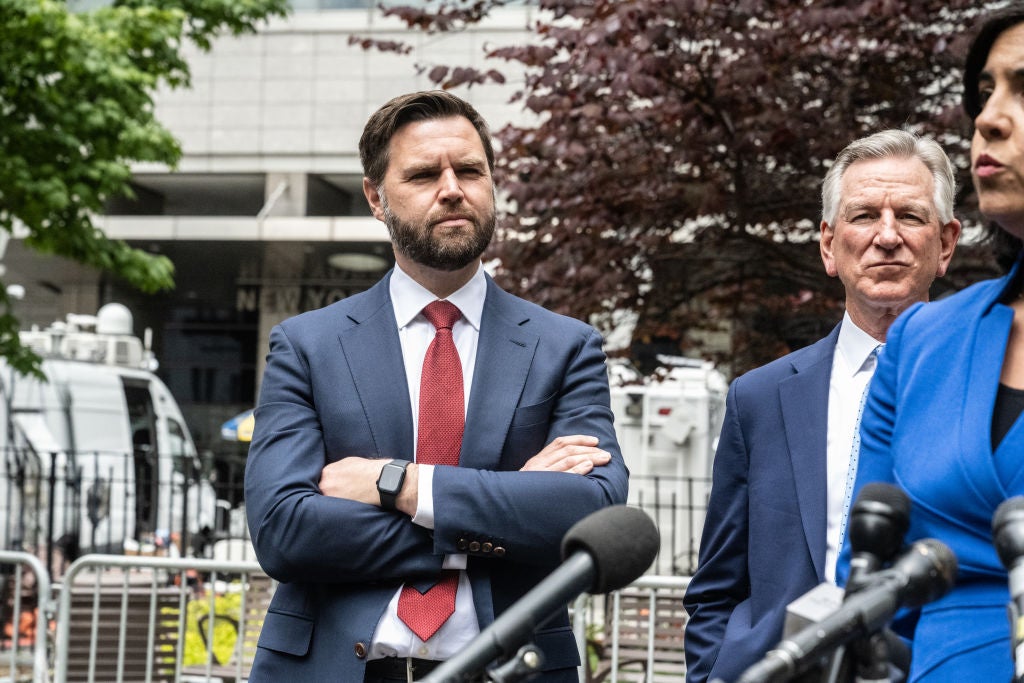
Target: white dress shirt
<point>392,637</point>
<point>852,368</point>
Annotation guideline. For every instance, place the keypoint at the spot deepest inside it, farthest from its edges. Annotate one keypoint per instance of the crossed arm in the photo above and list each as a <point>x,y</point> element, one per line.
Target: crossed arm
<point>355,478</point>
<point>317,522</point>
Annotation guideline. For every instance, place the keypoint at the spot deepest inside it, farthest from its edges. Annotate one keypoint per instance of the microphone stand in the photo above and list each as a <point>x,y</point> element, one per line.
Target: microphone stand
<point>526,663</point>
<point>865,660</point>
<point>1016,642</point>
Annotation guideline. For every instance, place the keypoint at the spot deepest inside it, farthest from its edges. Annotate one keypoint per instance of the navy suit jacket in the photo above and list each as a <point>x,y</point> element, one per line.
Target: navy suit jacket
<point>763,543</point>
<point>335,386</point>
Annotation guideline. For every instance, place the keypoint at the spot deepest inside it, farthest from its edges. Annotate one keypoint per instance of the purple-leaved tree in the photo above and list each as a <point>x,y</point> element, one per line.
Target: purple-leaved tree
<point>676,167</point>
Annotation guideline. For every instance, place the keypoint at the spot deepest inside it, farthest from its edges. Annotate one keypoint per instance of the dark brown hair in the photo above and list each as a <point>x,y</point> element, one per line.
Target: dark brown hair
<point>1005,246</point>
<point>977,54</point>
<point>417,106</point>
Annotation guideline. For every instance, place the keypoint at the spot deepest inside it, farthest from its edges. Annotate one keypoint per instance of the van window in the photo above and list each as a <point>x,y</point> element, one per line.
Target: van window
<point>146,459</point>
<point>179,448</point>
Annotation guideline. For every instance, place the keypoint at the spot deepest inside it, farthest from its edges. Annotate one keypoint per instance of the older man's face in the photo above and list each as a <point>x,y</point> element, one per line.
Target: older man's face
<point>887,244</point>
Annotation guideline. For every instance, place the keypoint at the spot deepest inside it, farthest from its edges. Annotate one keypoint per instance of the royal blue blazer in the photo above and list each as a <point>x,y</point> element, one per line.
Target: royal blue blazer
<point>927,427</point>
<point>763,543</point>
<point>335,386</point>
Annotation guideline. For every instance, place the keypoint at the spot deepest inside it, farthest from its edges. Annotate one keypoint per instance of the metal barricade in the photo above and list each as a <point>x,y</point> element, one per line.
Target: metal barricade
<point>128,621</point>
<point>120,606</point>
<point>634,634</point>
<point>18,562</point>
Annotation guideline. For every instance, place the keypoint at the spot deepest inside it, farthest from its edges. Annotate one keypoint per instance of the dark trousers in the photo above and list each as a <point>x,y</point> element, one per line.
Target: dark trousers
<point>393,669</point>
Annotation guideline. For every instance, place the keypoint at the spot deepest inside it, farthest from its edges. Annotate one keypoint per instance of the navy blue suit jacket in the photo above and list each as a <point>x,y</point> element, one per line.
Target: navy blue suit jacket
<point>335,386</point>
<point>763,543</point>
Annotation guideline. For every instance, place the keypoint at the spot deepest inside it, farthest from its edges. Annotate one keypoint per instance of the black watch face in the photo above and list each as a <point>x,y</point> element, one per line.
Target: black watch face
<point>391,478</point>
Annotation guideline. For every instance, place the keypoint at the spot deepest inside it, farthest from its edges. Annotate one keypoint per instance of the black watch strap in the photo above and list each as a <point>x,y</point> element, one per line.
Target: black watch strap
<point>389,483</point>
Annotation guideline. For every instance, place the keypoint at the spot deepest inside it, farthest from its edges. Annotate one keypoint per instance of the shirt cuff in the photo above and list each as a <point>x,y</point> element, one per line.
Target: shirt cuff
<point>424,516</point>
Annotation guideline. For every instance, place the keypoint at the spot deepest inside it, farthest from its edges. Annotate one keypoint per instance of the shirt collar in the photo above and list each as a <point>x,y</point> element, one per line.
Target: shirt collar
<point>854,344</point>
<point>409,297</point>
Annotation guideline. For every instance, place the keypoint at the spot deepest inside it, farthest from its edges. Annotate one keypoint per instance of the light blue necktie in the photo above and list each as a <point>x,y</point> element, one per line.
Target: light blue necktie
<point>851,471</point>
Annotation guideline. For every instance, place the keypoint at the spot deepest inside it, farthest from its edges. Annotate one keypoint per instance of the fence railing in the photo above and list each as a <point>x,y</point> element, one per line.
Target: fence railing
<point>64,505</point>
<point>130,618</point>
<point>27,583</point>
<point>139,610</point>
<point>634,634</point>
<point>61,504</point>
<point>173,609</point>
<point>678,506</point>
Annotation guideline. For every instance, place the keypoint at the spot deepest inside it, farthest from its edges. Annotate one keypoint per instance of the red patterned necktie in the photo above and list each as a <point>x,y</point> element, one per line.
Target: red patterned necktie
<point>441,422</point>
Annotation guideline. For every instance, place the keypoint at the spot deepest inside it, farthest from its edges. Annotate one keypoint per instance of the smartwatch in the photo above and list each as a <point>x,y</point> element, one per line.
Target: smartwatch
<point>389,483</point>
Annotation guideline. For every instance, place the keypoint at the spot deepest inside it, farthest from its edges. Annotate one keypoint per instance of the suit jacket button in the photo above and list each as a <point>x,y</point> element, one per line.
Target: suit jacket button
<point>474,547</point>
<point>487,547</point>
<point>361,650</point>
<point>499,551</point>
<point>461,544</point>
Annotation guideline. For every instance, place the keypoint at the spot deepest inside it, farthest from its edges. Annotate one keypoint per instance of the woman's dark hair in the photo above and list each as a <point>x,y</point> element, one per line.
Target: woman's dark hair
<point>1005,246</point>
<point>977,54</point>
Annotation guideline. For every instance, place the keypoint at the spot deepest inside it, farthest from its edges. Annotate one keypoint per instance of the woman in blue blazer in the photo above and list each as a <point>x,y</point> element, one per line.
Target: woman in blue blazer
<point>942,419</point>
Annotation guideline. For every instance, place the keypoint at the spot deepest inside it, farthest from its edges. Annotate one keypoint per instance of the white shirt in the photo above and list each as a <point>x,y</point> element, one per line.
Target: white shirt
<point>852,369</point>
<point>392,637</point>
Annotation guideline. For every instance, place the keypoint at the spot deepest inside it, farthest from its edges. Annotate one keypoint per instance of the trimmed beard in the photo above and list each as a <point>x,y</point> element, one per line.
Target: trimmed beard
<point>417,241</point>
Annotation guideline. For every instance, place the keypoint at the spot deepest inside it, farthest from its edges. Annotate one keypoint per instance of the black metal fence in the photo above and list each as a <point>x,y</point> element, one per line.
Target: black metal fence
<point>59,506</point>
<point>678,506</point>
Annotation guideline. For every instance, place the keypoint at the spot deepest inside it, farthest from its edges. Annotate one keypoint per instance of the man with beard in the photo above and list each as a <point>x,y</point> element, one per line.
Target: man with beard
<point>421,448</point>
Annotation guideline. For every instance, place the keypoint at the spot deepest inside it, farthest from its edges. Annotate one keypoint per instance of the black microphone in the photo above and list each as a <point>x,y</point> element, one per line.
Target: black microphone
<point>1008,533</point>
<point>924,572</point>
<point>879,519</point>
<point>605,551</point>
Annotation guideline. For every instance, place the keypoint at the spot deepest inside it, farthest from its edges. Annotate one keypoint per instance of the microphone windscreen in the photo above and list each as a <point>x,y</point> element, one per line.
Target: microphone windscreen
<point>930,568</point>
<point>891,496</point>
<point>1008,530</point>
<point>879,519</point>
<point>621,540</point>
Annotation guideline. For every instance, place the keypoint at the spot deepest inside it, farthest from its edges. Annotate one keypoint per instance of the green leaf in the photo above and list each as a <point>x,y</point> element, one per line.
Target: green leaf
<point>76,112</point>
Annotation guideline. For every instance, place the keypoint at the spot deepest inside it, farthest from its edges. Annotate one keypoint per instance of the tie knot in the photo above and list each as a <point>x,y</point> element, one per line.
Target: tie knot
<point>442,314</point>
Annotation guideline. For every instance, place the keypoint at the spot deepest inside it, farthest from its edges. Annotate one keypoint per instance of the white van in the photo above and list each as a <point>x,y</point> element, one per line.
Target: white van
<point>98,457</point>
<point>668,424</point>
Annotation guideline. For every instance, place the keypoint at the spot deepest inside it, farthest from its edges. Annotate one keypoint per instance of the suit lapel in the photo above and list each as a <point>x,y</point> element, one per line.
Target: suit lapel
<point>504,355</point>
<point>987,360</point>
<point>374,356</point>
<point>993,476</point>
<point>804,401</point>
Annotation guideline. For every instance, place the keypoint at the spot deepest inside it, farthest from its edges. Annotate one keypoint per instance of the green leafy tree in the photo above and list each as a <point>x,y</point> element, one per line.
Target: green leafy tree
<point>676,165</point>
<point>76,111</point>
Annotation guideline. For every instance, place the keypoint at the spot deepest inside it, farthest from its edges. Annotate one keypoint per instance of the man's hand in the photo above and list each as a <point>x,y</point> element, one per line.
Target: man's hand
<point>356,479</point>
<point>577,454</point>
